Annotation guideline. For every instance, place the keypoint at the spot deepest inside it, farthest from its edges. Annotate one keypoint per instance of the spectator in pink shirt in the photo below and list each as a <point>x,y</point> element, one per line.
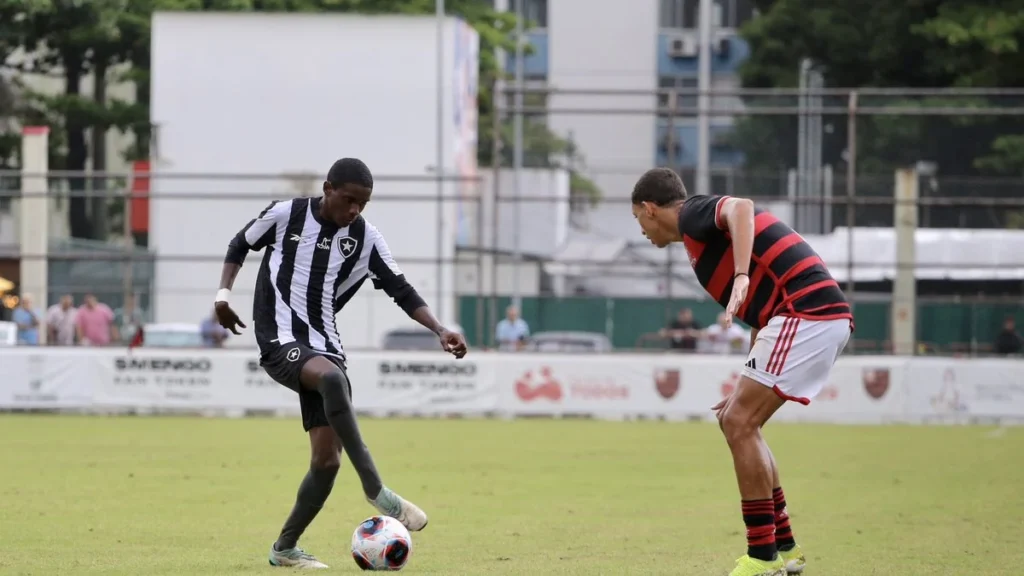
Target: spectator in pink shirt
<point>95,322</point>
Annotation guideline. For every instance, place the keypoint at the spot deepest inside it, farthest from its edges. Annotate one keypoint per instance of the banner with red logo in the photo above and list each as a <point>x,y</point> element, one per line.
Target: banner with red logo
<point>860,389</point>
<point>614,385</point>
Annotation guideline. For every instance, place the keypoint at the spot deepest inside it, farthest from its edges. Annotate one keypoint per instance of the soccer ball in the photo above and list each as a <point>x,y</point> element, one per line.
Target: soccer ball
<point>381,543</point>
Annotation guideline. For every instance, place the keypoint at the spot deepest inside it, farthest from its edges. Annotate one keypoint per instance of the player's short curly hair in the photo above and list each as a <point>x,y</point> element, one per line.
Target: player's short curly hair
<point>350,171</point>
<point>660,186</point>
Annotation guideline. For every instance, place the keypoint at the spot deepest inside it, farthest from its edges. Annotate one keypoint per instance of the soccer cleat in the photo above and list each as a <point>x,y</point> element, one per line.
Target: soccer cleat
<point>747,566</point>
<point>294,558</point>
<point>393,505</point>
<point>793,559</point>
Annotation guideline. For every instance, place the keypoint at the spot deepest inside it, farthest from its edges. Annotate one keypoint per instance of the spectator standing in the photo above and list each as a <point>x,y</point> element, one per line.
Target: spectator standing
<point>95,322</point>
<point>1008,341</point>
<point>722,340</point>
<point>213,333</point>
<point>684,332</point>
<point>28,320</point>
<point>61,322</point>
<point>511,333</point>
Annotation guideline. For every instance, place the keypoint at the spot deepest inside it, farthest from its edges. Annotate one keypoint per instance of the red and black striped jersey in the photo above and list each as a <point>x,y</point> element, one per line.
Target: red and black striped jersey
<point>787,277</point>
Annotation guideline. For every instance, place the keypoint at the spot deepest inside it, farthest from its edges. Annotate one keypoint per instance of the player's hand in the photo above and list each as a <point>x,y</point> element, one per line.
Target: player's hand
<point>719,409</point>
<point>453,343</point>
<point>740,284</point>
<point>227,318</point>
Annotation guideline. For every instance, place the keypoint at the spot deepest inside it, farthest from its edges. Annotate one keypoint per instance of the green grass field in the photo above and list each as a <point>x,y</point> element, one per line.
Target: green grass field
<point>92,495</point>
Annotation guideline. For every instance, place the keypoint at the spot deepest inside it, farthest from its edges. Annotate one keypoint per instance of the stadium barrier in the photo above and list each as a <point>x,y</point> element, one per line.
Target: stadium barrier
<point>862,389</point>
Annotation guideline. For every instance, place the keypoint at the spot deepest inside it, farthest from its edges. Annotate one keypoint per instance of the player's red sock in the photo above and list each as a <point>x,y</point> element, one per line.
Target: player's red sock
<point>783,532</point>
<point>759,516</point>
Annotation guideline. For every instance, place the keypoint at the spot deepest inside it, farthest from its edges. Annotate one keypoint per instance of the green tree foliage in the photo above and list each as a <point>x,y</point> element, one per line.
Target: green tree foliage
<point>863,43</point>
<point>74,38</point>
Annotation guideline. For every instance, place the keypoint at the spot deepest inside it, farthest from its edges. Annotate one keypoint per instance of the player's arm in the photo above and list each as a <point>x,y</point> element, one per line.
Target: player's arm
<point>256,235</point>
<point>737,216</point>
<point>387,276</point>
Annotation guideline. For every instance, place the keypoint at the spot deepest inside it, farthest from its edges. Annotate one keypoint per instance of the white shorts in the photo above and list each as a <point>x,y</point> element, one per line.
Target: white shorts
<point>793,356</point>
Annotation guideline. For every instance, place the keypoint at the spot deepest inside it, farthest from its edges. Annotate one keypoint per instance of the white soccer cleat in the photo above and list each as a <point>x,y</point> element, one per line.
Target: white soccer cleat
<point>393,505</point>
<point>295,558</point>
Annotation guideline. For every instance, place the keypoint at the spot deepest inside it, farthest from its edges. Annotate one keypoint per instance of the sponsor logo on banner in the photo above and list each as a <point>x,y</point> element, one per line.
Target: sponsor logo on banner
<point>828,392</point>
<point>543,384</point>
<point>948,401</point>
<point>182,378</point>
<point>667,382</point>
<point>730,384</point>
<point>440,382</point>
<point>876,381</point>
<point>538,384</point>
<point>999,393</point>
<point>36,390</point>
<point>255,377</point>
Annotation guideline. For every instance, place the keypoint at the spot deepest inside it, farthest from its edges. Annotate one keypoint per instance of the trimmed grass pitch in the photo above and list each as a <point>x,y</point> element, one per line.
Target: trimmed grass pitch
<point>162,495</point>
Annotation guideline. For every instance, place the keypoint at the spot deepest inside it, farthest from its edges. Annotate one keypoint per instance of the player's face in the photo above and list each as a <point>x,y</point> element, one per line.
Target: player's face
<point>344,204</point>
<point>644,214</point>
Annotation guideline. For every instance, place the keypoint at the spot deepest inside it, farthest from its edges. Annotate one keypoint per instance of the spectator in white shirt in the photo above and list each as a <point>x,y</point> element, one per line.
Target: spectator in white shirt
<point>512,332</point>
<point>61,322</point>
<point>721,340</point>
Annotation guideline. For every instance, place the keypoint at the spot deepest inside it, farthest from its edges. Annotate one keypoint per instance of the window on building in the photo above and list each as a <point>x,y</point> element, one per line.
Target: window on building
<point>685,14</point>
<point>679,13</point>
<point>535,11</point>
<point>688,100</point>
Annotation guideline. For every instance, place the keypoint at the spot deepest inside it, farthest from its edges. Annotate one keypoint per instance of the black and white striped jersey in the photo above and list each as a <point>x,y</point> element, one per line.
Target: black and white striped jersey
<point>310,270</point>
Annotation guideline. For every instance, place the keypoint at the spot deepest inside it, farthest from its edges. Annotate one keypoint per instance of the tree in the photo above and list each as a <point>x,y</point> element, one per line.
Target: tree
<point>73,38</point>
<point>13,15</point>
<point>857,43</point>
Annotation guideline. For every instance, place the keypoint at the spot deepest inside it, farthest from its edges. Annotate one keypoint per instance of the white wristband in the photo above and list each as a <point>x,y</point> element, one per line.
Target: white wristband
<point>222,295</point>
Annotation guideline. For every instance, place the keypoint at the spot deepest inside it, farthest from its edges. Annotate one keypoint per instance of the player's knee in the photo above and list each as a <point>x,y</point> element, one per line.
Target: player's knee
<point>334,390</point>
<point>737,425</point>
<point>328,462</point>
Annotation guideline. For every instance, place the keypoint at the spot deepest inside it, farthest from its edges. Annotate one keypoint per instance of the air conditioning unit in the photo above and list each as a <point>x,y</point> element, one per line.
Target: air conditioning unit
<point>682,47</point>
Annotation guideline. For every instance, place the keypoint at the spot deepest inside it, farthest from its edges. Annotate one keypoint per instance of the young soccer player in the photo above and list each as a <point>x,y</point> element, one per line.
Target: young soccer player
<point>319,251</point>
<point>764,273</point>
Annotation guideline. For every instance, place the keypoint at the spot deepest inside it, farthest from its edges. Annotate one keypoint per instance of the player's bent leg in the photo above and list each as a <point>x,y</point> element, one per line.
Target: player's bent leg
<point>331,382</point>
<point>750,407</point>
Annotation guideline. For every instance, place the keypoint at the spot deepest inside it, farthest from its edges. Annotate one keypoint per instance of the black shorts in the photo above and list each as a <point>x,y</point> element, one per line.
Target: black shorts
<point>284,364</point>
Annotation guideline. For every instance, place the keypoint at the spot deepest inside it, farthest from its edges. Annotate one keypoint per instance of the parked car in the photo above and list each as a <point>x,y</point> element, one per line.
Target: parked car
<point>569,342</point>
<point>417,339</point>
<point>172,336</point>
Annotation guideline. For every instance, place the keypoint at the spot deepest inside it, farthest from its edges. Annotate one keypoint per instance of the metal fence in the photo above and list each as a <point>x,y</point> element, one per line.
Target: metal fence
<point>826,157</point>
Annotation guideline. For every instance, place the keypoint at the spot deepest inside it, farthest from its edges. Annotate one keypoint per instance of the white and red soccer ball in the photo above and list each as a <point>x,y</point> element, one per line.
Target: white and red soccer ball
<point>381,543</point>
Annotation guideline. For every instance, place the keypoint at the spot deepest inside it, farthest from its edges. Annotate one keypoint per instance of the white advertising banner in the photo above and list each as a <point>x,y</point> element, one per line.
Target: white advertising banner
<point>35,378</point>
<point>252,389</point>
<point>613,385</point>
<point>156,378</point>
<point>952,388</point>
<point>861,389</point>
<point>422,383</point>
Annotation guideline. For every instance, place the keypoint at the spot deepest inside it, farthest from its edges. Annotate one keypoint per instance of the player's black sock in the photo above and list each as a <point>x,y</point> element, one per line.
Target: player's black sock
<point>783,531</point>
<point>313,492</point>
<point>759,516</point>
<point>342,418</point>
